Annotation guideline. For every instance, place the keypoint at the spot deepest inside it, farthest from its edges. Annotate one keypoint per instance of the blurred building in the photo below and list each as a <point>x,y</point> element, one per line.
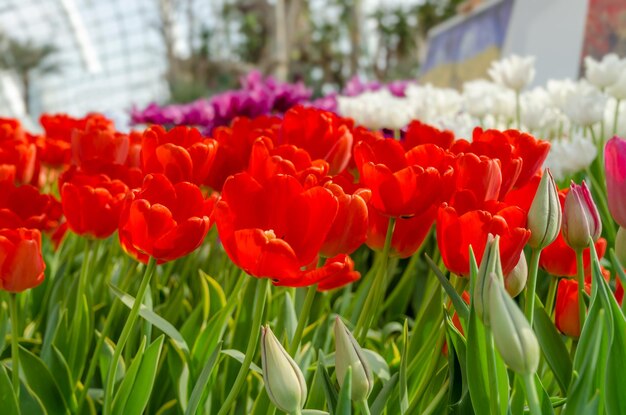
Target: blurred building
<point>559,33</point>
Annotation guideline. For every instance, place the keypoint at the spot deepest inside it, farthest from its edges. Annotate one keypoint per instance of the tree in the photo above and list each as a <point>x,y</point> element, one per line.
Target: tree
<point>26,59</point>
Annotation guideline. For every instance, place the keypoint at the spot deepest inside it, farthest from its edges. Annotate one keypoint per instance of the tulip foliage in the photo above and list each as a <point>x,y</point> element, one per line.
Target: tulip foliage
<point>302,263</point>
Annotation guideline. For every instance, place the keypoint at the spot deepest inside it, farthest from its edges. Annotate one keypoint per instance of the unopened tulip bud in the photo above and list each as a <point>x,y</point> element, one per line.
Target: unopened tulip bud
<point>581,219</point>
<point>348,353</point>
<point>515,281</point>
<point>620,245</point>
<point>615,168</point>
<point>544,216</point>
<point>490,263</point>
<point>284,382</point>
<point>512,334</point>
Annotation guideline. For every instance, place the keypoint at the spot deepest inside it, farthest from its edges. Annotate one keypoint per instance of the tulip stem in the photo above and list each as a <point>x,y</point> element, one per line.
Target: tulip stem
<point>580,275</point>
<point>531,394</point>
<point>260,295</point>
<point>554,282</point>
<point>494,399</point>
<point>110,319</point>
<point>375,295</point>
<point>128,326</point>
<point>302,319</point>
<point>518,110</point>
<point>531,286</point>
<point>616,116</point>
<point>364,407</point>
<point>15,369</point>
<point>600,198</point>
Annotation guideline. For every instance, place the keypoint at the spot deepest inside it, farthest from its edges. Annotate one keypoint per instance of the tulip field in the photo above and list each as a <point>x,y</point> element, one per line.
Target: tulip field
<point>389,249</point>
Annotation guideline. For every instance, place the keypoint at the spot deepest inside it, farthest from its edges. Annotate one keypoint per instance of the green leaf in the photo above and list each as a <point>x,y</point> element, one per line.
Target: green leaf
<point>106,354</point>
<point>123,393</point>
<point>80,332</point>
<point>313,412</point>
<point>329,388</point>
<point>344,403</point>
<point>144,381</point>
<point>458,346</point>
<point>404,395</point>
<point>552,346</point>
<point>377,364</point>
<point>239,356</point>
<point>178,369</point>
<point>156,320</point>
<point>217,296</point>
<point>459,305</point>
<point>42,383</point>
<point>203,382</point>
<point>616,357</point>
<point>583,386</point>
<point>61,371</point>
<point>8,403</point>
<point>289,318</point>
<point>477,366</point>
<point>380,403</point>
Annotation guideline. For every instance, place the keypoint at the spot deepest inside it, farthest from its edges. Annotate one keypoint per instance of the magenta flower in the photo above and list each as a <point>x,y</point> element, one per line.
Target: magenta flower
<point>581,219</point>
<point>615,166</point>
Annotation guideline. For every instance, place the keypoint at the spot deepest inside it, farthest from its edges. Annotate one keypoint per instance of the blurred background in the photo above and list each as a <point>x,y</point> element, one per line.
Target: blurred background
<point>77,56</point>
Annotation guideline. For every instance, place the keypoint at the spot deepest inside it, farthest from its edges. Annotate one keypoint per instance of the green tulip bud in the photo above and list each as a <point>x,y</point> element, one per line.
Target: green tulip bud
<point>515,281</point>
<point>284,382</point>
<point>512,334</point>
<point>544,216</point>
<point>348,353</point>
<point>490,263</point>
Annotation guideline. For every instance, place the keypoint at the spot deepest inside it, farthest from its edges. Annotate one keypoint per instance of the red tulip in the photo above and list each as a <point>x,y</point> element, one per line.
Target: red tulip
<point>399,188</point>
<point>477,179</point>
<point>520,154</point>
<point>267,161</point>
<point>17,151</point>
<point>91,202</point>
<point>418,133</point>
<point>54,147</point>
<point>457,230</point>
<point>21,264</point>
<point>615,166</point>
<point>235,146</point>
<point>524,196</point>
<point>273,229</point>
<point>7,173</point>
<point>559,259</point>
<point>182,154</point>
<point>408,233</point>
<point>163,220</point>
<point>24,207</point>
<point>349,228</point>
<point>566,315</point>
<point>98,144</point>
<point>134,151</point>
<point>322,134</point>
<point>336,272</point>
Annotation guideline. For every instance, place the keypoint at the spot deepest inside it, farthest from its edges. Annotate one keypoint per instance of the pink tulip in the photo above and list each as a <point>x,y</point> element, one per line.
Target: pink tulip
<point>581,219</point>
<point>615,166</point>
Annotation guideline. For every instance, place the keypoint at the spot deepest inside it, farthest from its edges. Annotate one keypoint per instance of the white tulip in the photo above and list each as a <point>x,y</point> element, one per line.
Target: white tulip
<point>606,72</point>
<point>514,72</point>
